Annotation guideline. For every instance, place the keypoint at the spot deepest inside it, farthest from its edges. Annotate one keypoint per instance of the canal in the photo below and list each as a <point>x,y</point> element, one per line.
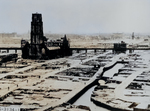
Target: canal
<point>85,99</point>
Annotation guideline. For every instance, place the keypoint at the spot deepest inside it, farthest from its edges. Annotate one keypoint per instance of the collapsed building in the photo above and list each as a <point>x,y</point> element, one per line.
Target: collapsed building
<point>37,48</point>
<point>8,57</point>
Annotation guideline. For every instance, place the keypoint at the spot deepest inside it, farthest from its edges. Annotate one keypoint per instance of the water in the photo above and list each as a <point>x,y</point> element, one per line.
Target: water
<point>113,70</point>
<point>85,100</point>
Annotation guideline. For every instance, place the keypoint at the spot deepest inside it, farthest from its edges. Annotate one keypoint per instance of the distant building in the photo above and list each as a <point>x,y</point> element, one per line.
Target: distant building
<point>117,35</point>
<point>37,49</point>
<point>133,35</point>
<point>119,47</point>
<point>14,34</point>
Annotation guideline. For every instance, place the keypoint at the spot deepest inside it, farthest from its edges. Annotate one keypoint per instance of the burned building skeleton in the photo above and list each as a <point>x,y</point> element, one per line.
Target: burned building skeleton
<point>37,48</point>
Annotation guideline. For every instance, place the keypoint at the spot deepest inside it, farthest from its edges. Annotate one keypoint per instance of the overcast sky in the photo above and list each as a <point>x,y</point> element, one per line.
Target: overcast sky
<point>77,16</point>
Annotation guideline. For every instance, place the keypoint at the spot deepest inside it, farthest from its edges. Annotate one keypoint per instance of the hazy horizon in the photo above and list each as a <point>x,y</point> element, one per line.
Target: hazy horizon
<point>77,16</point>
